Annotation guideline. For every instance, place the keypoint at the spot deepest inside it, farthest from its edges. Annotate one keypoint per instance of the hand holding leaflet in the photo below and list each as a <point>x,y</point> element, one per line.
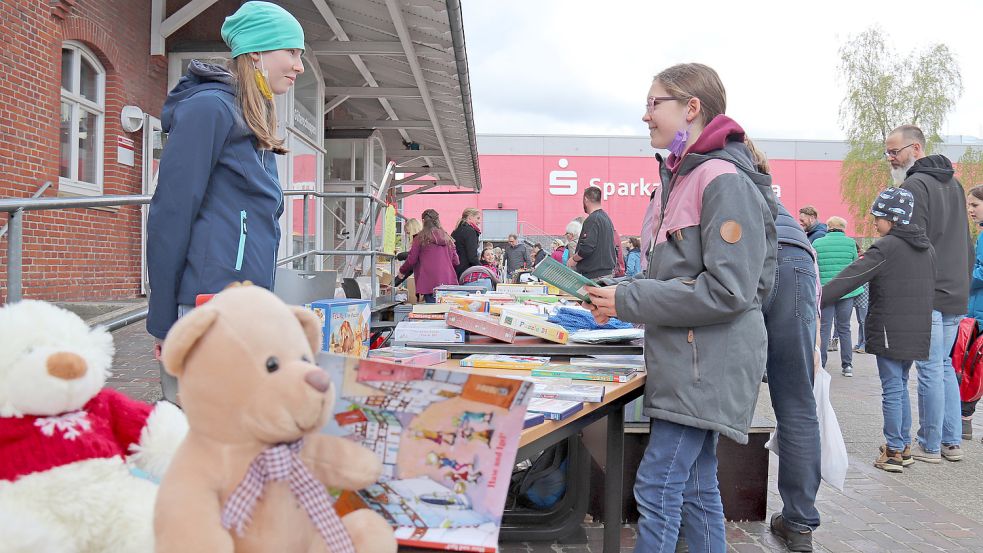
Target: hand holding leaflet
<point>564,278</point>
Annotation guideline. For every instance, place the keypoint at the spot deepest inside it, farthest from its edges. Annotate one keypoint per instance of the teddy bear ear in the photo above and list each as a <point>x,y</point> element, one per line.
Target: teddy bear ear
<point>183,336</point>
<point>312,326</point>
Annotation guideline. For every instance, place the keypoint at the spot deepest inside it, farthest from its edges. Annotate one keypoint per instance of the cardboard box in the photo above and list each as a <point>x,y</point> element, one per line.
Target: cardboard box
<point>426,332</point>
<point>345,325</point>
<point>479,323</point>
<point>422,357</point>
<point>535,326</point>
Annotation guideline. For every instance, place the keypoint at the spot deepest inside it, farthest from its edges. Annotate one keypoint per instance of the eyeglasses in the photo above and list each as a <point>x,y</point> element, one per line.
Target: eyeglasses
<point>654,101</point>
<point>894,153</point>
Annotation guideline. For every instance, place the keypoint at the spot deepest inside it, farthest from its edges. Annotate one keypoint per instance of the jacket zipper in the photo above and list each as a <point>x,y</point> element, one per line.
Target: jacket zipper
<point>276,223</point>
<point>691,339</point>
<point>242,239</point>
<point>886,344</point>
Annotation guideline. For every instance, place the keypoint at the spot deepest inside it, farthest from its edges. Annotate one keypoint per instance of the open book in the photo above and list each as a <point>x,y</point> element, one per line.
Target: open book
<point>447,441</point>
<point>563,277</point>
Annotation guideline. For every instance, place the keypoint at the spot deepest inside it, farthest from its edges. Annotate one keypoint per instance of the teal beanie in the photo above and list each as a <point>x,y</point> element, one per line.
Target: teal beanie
<point>261,27</point>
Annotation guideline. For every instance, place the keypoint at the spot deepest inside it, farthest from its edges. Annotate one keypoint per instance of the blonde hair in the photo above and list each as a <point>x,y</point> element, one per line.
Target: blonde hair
<point>258,113</point>
<point>759,157</point>
<point>412,227</point>
<point>695,80</point>
<point>838,223</point>
<point>468,212</point>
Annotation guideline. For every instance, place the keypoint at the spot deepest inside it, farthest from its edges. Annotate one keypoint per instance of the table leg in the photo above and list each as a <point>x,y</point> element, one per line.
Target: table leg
<point>614,480</point>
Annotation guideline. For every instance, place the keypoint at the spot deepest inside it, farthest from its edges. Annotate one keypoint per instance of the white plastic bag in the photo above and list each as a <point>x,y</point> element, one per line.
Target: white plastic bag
<point>834,456</point>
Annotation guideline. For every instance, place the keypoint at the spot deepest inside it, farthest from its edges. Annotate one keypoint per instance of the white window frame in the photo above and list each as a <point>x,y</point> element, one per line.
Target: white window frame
<point>71,184</point>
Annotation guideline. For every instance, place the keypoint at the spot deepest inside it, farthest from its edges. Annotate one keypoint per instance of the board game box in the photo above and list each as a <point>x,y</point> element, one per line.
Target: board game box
<point>344,325</point>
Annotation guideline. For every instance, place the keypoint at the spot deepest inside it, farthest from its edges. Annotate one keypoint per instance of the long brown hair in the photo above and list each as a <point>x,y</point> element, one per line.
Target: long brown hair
<point>258,113</point>
<point>760,159</point>
<point>432,231</point>
<point>976,192</point>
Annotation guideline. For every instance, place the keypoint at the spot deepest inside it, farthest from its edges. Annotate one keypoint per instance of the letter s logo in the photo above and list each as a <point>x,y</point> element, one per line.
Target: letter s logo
<point>563,183</point>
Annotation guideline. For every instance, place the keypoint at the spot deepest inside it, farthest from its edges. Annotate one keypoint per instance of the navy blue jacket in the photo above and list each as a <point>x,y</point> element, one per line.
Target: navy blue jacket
<point>214,217</point>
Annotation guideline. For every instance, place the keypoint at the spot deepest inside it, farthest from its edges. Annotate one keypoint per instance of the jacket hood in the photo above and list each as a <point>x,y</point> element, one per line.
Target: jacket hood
<point>715,136</point>
<point>789,230</point>
<point>821,227</point>
<point>914,235</point>
<point>200,76</point>
<point>936,165</point>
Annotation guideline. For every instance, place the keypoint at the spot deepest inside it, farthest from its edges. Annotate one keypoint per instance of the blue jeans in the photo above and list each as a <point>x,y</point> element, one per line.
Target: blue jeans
<point>952,414</point>
<point>676,480</point>
<point>790,318</point>
<point>895,403</point>
<point>840,312</point>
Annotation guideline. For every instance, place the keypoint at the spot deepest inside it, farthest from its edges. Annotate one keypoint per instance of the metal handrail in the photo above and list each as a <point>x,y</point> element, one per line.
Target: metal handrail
<point>37,194</point>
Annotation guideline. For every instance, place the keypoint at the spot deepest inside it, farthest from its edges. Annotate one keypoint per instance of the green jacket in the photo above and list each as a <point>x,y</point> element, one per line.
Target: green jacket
<point>835,252</point>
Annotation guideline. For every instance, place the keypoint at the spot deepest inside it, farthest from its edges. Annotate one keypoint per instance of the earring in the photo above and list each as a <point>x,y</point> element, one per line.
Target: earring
<point>262,84</point>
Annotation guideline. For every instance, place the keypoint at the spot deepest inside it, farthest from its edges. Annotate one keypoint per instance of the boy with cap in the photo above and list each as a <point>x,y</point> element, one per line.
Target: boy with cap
<point>900,268</point>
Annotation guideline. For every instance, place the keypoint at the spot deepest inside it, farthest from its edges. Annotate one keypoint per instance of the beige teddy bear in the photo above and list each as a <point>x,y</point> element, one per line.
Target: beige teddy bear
<point>251,474</point>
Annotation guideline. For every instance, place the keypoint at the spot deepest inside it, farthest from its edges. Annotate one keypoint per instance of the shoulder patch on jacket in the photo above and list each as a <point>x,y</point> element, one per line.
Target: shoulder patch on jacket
<point>731,231</point>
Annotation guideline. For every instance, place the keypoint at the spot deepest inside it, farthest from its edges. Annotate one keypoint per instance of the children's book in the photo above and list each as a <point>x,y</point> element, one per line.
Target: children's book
<point>533,419</point>
<point>447,441</point>
<point>564,278</point>
<point>481,323</point>
<point>530,324</point>
<point>427,332</point>
<point>547,388</point>
<point>578,372</point>
<point>403,355</point>
<point>492,361</point>
<point>554,409</point>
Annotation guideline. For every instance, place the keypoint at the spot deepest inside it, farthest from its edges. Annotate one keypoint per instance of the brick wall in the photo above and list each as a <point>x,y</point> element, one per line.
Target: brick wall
<point>79,254</point>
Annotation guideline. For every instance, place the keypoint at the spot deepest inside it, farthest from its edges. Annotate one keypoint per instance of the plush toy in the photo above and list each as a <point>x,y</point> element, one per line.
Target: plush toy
<point>251,475</point>
<point>65,485</point>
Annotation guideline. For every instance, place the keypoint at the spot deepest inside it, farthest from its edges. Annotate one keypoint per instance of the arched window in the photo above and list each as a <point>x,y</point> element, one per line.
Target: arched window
<point>83,114</point>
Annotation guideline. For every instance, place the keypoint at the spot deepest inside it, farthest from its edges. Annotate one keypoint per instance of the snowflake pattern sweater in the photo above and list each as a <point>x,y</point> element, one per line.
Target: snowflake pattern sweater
<point>105,427</point>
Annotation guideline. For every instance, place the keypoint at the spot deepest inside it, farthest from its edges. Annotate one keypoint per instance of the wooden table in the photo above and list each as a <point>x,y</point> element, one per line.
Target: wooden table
<point>531,345</point>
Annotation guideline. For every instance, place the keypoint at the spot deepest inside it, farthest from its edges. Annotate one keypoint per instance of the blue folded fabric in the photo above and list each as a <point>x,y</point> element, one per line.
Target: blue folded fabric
<point>578,319</point>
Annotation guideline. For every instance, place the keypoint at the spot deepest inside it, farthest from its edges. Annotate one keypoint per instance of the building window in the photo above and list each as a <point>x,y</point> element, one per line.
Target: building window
<point>83,113</point>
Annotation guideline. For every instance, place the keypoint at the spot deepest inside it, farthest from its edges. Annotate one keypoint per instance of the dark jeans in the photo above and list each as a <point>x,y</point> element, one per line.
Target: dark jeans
<point>790,317</point>
<point>840,312</point>
<point>861,310</point>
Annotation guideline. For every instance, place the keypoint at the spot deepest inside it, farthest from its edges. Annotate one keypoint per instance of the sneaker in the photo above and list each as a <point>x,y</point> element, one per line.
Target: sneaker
<point>906,460</point>
<point>795,540</point>
<point>919,454</point>
<point>952,453</point>
<point>889,460</point>
<point>847,370</point>
<point>967,429</point>
<point>834,344</point>
<point>859,349</point>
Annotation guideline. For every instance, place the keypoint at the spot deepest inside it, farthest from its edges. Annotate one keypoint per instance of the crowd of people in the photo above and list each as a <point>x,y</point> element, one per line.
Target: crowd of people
<point>725,281</point>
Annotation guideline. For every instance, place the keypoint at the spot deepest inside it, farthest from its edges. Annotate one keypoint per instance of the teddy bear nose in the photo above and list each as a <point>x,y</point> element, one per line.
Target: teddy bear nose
<point>67,366</point>
<point>318,380</point>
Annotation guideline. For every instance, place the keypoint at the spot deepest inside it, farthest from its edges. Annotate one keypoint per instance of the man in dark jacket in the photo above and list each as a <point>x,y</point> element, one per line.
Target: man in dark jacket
<point>516,256</point>
<point>809,221</point>
<point>901,270</point>
<point>940,209</point>
<point>595,256</point>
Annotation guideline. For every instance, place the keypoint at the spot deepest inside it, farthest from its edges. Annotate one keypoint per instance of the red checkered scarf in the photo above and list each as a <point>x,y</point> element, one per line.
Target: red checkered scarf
<point>282,462</point>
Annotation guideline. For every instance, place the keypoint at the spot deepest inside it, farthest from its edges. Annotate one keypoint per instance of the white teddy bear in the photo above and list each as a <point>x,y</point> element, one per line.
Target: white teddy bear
<point>65,441</point>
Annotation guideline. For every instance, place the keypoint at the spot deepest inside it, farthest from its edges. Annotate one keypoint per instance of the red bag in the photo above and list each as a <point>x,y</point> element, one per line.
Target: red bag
<point>967,359</point>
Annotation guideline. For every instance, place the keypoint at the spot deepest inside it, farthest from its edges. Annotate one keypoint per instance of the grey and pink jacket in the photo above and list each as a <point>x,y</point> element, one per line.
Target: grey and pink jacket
<point>711,264</point>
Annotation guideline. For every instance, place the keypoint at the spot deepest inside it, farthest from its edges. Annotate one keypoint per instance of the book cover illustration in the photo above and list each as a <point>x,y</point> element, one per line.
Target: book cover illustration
<point>345,325</point>
<point>493,361</point>
<point>579,372</point>
<point>447,440</point>
<point>564,278</point>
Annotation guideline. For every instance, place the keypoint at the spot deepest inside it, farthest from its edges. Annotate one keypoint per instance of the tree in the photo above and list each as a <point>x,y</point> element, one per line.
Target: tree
<point>884,90</point>
<point>970,174</point>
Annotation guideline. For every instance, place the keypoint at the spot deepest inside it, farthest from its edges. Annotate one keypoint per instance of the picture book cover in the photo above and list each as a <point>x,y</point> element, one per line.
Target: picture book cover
<point>447,440</point>
<point>578,372</point>
<point>345,325</point>
<point>554,409</point>
<point>563,277</point>
<point>492,361</point>
<point>403,355</point>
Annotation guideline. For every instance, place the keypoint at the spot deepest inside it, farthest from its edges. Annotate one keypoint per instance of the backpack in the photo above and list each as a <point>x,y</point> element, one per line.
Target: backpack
<point>542,485</point>
<point>967,359</point>
<point>619,266</point>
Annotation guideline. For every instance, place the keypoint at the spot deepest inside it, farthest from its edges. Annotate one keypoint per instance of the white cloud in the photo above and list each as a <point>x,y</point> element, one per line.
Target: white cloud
<point>573,66</point>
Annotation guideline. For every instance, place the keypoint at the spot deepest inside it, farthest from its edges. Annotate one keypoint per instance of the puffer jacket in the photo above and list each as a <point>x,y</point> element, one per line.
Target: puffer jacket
<point>712,265</point>
<point>901,270</point>
<point>976,284</point>
<point>835,252</point>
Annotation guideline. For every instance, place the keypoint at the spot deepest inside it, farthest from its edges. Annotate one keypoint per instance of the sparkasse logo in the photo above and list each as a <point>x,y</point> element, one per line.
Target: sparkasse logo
<point>564,182</point>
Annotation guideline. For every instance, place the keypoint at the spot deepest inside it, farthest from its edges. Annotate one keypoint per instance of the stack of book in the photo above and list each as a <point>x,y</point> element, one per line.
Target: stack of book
<point>491,361</point>
<point>429,311</point>
<point>583,372</point>
<point>426,332</point>
<point>421,357</point>
<point>554,409</point>
<point>479,323</point>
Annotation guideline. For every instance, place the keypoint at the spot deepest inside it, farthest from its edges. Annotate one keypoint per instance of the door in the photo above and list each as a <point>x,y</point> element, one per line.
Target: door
<point>154,138</point>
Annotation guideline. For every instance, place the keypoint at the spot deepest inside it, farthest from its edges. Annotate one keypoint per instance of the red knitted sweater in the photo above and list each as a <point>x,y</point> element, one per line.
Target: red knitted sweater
<point>104,428</point>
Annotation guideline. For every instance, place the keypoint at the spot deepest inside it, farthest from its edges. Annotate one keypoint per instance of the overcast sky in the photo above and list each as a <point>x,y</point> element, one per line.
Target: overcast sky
<point>584,67</point>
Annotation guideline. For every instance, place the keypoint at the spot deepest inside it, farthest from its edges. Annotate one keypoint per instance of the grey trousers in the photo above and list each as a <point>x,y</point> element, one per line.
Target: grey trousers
<point>168,384</point>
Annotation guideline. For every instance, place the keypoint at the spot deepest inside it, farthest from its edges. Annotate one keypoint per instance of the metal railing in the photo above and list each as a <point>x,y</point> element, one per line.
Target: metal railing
<point>16,208</point>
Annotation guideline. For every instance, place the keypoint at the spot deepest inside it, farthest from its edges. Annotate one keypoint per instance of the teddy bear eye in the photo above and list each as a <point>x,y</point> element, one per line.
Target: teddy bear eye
<point>305,359</point>
<point>272,364</point>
